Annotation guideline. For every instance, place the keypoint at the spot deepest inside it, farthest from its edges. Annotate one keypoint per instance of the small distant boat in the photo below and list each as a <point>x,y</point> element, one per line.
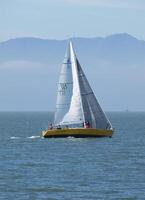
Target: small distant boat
<point>78,112</point>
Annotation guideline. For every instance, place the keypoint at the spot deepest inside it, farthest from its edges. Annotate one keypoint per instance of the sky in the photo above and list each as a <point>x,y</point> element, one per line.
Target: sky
<point>59,19</point>
<point>62,19</point>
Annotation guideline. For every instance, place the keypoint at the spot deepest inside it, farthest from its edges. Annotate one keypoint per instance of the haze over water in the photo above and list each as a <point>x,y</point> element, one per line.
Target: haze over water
<point>71,168</point>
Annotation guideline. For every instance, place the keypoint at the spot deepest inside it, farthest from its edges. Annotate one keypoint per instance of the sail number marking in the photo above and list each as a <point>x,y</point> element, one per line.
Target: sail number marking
<point>62,88</point>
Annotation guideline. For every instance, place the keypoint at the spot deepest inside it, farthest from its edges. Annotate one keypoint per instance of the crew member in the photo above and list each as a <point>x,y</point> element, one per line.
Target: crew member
<point>86,124</point>
<point>50,127</point>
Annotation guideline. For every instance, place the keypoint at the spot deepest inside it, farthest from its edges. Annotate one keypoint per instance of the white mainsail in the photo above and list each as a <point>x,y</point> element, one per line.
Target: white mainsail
<point>76,102</point>
<point>65,86</point>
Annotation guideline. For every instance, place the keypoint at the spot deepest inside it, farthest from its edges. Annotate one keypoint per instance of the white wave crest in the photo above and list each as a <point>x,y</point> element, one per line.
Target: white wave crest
<point>14,137</point>
<point>34,136</point>
<point>70,137</point>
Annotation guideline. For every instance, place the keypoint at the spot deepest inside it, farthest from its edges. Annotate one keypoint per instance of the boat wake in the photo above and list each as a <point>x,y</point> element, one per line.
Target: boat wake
<point>14,137</point>
<point>74,139</point>
<point>34,137</point>
<point>70,137</point>
<point>30,137</point>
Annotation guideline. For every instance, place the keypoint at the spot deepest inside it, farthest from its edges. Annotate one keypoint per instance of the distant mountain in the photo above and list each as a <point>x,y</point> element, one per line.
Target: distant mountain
<point>120,48</point>
<point>114,65</point>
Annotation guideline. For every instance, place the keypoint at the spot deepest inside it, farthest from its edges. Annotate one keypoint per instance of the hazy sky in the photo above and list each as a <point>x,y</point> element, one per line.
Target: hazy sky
<point>64,18</point>
<point>21,81</point>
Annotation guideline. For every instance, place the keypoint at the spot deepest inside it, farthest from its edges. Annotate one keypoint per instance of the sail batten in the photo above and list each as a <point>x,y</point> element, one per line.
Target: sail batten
<point>76,101</point>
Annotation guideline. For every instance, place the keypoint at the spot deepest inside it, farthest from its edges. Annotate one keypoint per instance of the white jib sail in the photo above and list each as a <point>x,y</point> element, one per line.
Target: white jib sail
<point>75,114</point>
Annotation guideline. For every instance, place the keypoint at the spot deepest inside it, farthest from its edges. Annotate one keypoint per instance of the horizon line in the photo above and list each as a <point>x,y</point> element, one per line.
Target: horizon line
<point>126,111</point>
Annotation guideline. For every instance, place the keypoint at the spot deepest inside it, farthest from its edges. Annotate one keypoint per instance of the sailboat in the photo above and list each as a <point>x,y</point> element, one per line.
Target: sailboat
<point>78,112</point>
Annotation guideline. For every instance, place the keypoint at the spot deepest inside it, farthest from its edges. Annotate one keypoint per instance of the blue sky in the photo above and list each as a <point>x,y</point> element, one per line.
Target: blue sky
<point>61,19</point>
<point>21,81</point>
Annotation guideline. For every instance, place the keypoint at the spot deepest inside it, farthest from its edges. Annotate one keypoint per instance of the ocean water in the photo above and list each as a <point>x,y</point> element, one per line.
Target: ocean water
<point>71,168</point>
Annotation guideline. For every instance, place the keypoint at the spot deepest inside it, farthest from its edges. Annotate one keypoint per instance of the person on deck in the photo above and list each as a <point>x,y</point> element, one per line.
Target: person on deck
<point>87,125</point>
<point>50,127</point>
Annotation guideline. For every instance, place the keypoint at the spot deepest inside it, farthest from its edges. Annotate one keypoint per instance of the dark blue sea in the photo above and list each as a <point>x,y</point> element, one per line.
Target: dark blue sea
<point>71,168</point>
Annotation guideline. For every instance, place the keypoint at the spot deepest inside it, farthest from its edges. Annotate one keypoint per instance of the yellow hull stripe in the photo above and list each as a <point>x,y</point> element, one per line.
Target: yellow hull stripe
<point>77,132</point>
